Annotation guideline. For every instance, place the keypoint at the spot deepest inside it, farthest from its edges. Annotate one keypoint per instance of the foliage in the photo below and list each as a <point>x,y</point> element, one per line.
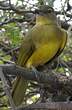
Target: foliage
<point>13,32</point>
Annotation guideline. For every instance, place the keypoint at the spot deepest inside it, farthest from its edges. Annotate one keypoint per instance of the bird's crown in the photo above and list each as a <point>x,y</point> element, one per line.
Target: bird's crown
<point>45,9</point>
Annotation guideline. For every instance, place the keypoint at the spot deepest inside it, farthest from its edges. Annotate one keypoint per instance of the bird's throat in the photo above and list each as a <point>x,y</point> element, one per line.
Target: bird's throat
<point>45,20</point>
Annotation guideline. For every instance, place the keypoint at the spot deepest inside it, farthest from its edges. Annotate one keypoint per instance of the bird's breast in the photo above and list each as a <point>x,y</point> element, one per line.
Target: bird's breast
<point>44,34</point>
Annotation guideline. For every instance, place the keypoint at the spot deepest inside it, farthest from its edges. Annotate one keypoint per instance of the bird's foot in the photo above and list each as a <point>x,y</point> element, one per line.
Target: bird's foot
<point>36,73</point>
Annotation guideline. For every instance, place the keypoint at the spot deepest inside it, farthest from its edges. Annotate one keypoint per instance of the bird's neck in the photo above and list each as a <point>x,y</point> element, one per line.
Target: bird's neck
<point>44,20</point>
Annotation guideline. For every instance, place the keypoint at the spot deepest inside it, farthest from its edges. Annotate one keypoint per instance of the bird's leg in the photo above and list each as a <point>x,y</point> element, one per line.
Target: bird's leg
<point>36,72</point>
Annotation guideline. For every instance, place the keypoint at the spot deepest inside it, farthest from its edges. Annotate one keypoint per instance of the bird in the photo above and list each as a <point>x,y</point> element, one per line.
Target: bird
<point>43,42</point>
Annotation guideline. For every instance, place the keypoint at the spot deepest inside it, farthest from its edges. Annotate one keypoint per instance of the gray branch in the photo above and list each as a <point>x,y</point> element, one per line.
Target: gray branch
<point>48,106</point>
<point>54,82</point>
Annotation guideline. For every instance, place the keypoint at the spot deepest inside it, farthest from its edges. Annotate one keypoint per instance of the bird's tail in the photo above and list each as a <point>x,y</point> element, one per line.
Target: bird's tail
<point>19,89</point>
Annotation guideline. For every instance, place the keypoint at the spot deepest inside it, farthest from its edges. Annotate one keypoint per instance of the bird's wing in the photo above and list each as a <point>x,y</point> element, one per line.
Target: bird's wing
<point>63,44</point>
<point>20,85</point>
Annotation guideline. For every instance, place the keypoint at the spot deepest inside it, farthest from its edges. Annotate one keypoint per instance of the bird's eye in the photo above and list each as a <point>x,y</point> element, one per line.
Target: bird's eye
<point>49,10</point>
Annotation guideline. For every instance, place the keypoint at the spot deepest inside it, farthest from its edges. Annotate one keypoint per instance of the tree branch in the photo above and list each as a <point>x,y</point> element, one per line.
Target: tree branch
<point>14,20</point>
<point>54,82</point>
<point>49,106</point>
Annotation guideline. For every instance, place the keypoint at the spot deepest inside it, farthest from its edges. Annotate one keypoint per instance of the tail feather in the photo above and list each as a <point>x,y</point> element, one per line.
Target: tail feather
<point>18,91</point>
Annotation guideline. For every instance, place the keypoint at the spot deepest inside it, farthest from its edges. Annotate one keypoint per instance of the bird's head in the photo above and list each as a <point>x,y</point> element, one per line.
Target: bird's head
<point>46,14</point>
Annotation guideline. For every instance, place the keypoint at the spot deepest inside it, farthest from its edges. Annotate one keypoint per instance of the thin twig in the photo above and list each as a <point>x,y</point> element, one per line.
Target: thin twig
<point>6,89</point>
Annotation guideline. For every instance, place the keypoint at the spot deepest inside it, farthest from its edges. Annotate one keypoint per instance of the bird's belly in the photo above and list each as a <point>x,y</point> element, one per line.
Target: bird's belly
<point>43,54</point>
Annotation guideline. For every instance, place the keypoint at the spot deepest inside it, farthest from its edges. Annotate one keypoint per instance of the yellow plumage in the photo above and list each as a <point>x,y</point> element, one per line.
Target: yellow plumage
<point>44,41</point>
